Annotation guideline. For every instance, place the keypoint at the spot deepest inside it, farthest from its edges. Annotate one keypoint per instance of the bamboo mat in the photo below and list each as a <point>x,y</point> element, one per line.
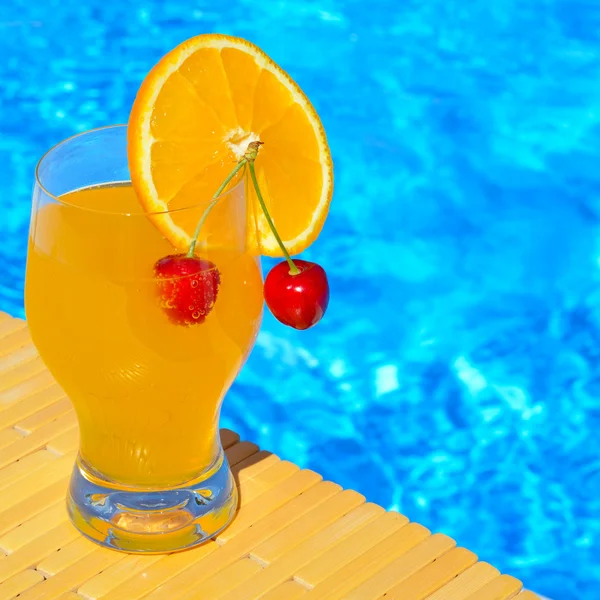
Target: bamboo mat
<point>294,536</point>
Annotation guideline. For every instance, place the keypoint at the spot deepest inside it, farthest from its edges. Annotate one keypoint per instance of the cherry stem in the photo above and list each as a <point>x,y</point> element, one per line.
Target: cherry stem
<point>293,268</point>
<point>215,199</point>
<point>248,159</point>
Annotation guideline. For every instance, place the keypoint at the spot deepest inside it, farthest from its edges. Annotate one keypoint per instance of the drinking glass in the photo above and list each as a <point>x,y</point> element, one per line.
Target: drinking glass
<point>150,474</point>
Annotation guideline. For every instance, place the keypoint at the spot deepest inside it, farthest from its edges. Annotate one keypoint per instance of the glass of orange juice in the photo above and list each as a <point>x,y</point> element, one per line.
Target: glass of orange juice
<point>151,475</point>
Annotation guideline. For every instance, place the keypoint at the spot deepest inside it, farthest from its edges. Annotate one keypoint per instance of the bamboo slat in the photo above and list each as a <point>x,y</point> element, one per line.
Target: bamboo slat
<point>294,535</point>
<point>503,587</point>
<point>18,583</point>
<point>346,551</point>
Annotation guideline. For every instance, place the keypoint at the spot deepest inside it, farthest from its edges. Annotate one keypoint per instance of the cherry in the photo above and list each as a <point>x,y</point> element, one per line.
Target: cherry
<point>187,287</point>
<point>296,292</point>
<point>298,300</point>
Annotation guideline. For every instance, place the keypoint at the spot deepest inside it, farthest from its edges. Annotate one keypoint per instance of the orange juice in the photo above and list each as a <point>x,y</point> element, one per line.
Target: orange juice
<point>147,392</point>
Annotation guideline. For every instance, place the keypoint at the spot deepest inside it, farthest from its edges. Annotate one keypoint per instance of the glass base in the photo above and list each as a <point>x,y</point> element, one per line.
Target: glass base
<point>152,521</point>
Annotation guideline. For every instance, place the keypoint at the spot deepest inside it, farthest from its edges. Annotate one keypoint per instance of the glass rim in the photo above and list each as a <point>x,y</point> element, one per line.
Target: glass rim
<point>142,212</point>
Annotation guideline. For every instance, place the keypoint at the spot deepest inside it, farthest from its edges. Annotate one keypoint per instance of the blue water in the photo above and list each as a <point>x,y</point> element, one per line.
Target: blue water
<point>456,375</point>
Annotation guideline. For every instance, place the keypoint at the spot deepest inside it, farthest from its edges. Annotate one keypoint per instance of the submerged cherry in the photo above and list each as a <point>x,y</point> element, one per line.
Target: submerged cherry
<point>297,299</point>
<point>187,287</point>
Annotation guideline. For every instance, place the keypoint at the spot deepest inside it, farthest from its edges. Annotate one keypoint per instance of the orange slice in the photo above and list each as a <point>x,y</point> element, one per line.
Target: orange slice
<point>192,120</point>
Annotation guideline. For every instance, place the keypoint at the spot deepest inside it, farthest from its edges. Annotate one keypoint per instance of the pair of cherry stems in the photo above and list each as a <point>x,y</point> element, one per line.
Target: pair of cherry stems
<point>248,159</point>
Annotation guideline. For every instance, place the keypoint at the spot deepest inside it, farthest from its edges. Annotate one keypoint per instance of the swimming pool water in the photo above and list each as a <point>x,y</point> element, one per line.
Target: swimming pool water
<point>456,375</point>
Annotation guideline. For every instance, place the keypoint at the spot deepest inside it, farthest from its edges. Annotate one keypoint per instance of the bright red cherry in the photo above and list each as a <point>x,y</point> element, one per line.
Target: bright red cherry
<point>187,287</point>
<point>300,300</point>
